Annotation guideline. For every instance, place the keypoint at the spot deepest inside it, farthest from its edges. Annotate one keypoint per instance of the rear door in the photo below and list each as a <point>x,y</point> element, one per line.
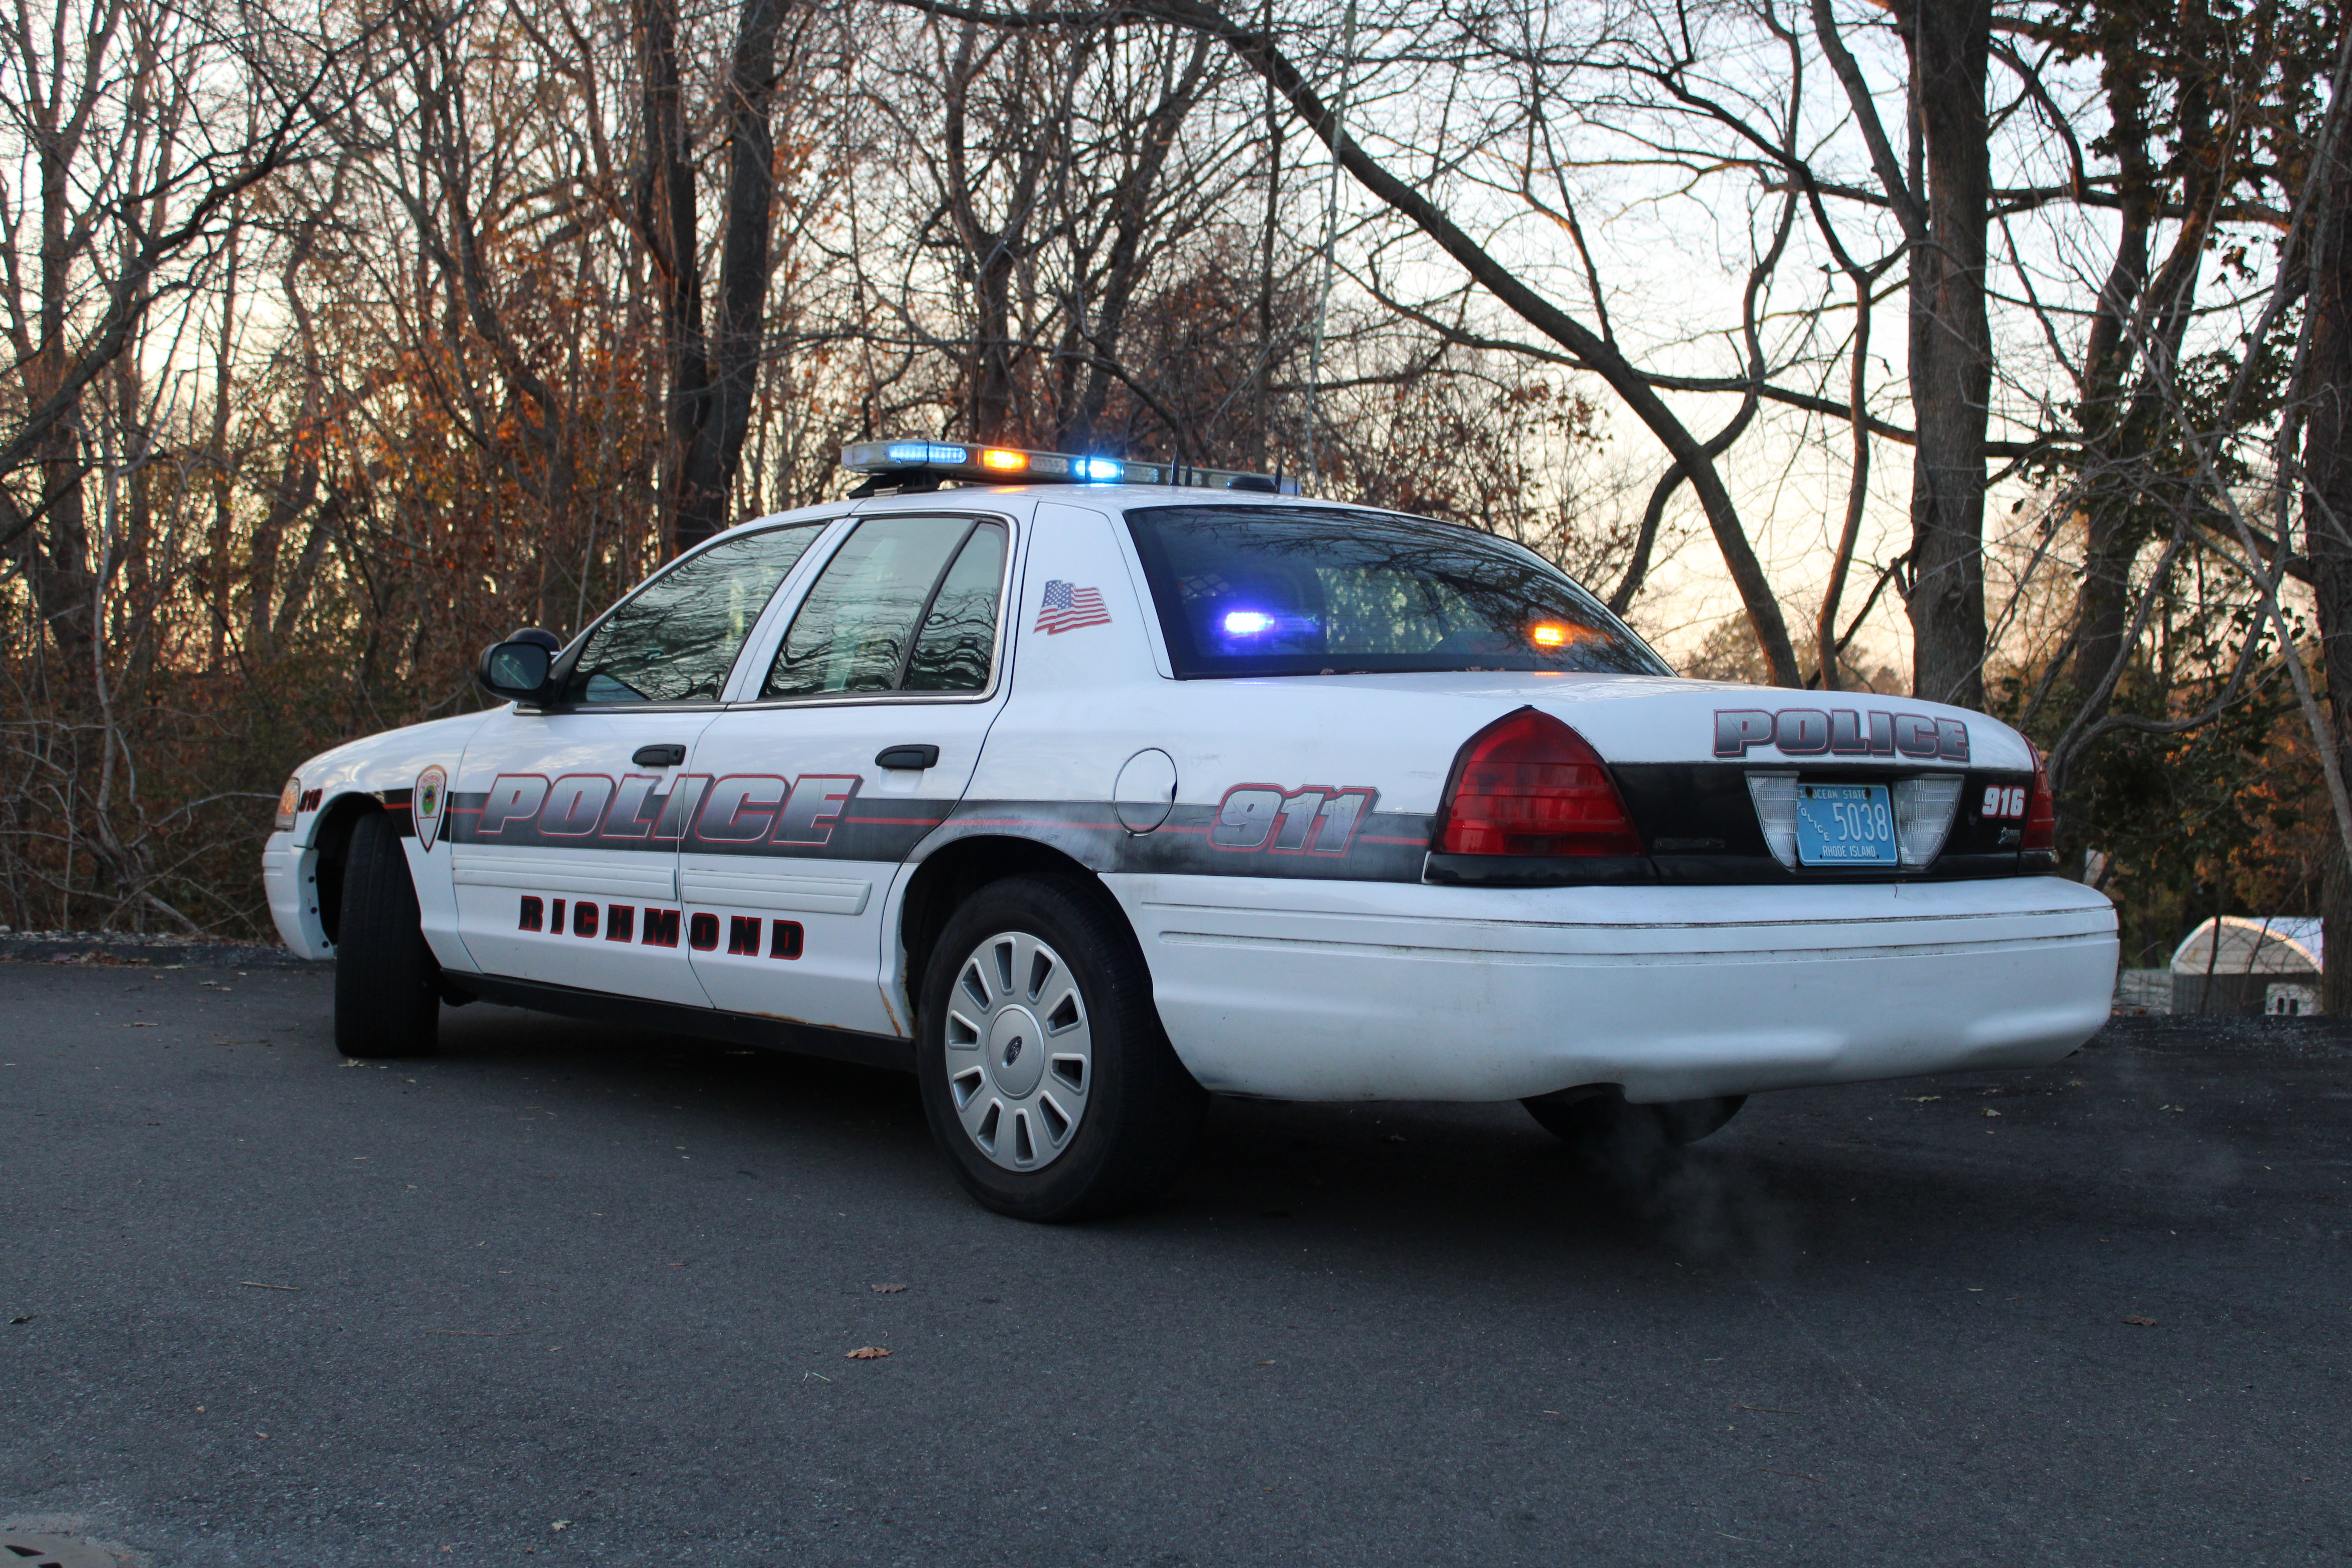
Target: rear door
<point>857,737</point>
<point>565,821</point>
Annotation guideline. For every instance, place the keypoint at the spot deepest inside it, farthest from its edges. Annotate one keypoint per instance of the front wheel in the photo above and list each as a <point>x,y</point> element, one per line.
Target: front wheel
<point>1045,1075</point>
<point>387,982</point>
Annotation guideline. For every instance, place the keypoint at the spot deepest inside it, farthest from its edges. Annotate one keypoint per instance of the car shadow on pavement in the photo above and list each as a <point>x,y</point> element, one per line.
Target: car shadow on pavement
<point>1921,1175</point>
<point>1422,1181</point>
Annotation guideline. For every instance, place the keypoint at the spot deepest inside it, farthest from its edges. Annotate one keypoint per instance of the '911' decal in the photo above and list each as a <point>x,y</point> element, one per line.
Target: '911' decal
<point>1317,820</point>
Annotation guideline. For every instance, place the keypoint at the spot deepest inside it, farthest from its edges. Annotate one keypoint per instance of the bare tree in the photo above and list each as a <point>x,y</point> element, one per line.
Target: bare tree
<point>137,161</point>
<point>2327,500</point>
<point>712,372</point>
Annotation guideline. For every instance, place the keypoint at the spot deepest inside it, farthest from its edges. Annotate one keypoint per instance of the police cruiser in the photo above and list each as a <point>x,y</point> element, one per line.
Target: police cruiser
<point>1086,789</point>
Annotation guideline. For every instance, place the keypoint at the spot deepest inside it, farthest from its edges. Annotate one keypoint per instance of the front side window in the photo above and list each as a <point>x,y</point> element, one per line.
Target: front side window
<point>906,604</point>
<point>675,640</point>
<point>1293,590</point>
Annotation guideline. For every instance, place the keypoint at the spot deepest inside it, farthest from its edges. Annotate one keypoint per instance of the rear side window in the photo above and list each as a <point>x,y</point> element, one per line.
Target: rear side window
<point>675,639</point>
<point>959,635</point>
<point>906,604</point>
<point>1278,590</point>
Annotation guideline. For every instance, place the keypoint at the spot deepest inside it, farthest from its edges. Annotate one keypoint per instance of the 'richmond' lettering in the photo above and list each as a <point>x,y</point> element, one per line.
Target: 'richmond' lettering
<point>622,922</point>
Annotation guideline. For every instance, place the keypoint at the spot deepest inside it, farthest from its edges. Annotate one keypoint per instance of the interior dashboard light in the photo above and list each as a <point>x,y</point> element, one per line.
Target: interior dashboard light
<point>1550,634</point>
<point>1247,623</point>
<point>1003,460</point>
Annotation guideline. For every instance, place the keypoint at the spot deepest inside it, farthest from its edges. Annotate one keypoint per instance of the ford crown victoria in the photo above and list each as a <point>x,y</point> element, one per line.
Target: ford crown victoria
<point>1086,796</point>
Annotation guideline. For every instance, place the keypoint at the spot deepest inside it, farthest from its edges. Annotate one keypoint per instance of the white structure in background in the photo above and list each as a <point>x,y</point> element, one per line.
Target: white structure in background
<point>2286,1000</point>
<point>2141,990</point>
<point>2285,946</point>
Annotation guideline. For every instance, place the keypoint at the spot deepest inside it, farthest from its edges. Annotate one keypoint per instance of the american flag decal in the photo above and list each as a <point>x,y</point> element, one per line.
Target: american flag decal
<point>1066,608</point>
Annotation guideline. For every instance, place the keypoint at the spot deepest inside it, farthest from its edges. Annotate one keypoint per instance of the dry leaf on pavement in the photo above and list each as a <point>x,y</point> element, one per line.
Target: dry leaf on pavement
<point>866,1353</point>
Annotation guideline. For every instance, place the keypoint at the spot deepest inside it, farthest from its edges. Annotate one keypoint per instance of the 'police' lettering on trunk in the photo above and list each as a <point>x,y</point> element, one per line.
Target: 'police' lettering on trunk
<point>1839,732</point>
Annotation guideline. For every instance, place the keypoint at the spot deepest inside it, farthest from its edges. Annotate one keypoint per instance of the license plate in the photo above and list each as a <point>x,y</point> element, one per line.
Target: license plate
<point>1844,824</point>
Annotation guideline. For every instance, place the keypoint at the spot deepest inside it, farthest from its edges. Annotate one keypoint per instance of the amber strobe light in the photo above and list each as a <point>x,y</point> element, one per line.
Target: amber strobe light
<point>2041,811</point>
<point>1003,460</point>
<point>1548,634</point>
<point>1528,785</point>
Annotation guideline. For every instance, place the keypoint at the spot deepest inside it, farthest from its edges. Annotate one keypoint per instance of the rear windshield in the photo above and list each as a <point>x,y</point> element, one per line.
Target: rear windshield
<point>1288,590</point>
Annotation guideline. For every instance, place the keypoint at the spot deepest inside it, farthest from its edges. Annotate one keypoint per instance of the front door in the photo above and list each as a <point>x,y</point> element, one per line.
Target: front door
<point>855,744</point>
<point>565,823</point>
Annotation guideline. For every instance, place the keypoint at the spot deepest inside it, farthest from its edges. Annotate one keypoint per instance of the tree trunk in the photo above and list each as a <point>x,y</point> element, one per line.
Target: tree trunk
<point>1951,351</point>
<point>666,215</point>
<point>63,584</point>
<point>733,369</point>
<point>992,394</point>
<point>1123,274</point>
<point>2327,521</point>
<point>57,560</point>
<point>989,253</point>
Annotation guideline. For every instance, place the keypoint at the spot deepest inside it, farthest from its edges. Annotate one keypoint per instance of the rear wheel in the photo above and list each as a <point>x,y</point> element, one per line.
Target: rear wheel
<point>1045,1075</point>
<point>1599,1122</point>
<point>387,982</point>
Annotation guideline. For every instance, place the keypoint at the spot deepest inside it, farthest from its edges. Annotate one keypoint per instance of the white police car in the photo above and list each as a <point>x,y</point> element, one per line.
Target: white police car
<point>1080,799</point>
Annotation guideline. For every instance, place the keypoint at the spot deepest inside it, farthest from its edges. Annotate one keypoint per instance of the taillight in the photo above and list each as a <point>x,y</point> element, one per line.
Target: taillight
<point>2041,810</point>
<point>1528,785</point>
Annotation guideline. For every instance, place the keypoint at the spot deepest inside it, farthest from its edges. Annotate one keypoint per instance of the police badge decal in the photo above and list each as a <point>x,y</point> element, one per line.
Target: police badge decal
<point>425,805</point>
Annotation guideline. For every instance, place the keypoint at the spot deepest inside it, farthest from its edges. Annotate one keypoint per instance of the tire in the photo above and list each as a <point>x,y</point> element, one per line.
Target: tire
<point>1045,1075</point>
<point>1599,1122</point>
<point>387,982</point>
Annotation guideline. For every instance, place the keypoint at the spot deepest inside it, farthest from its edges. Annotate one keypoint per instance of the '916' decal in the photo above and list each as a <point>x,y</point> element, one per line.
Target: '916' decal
<point>1317,820</point>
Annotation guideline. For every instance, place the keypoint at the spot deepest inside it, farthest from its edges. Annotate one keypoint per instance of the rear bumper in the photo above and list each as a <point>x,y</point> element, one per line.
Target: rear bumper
<point>1381,991</point>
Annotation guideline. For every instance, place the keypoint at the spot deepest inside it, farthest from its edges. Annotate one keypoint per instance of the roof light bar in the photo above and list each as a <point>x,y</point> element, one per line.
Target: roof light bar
<point>906,465</point>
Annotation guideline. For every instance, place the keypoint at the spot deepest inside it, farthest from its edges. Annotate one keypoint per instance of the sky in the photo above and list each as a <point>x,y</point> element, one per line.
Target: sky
<point>1672,243</point>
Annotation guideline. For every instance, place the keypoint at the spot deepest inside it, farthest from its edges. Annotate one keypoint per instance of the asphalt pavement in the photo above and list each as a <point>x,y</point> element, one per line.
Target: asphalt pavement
<point>579,1295</point>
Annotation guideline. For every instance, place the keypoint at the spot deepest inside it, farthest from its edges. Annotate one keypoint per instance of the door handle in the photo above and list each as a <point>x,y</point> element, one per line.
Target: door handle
<point>912,758</point>
<point>659,756</point>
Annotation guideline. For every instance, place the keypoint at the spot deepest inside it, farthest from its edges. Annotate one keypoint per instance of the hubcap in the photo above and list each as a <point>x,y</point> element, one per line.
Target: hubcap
<point>1020,1051</point>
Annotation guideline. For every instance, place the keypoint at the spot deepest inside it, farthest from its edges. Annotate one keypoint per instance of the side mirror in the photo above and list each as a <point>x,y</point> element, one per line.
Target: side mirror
<point>516,671</point>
